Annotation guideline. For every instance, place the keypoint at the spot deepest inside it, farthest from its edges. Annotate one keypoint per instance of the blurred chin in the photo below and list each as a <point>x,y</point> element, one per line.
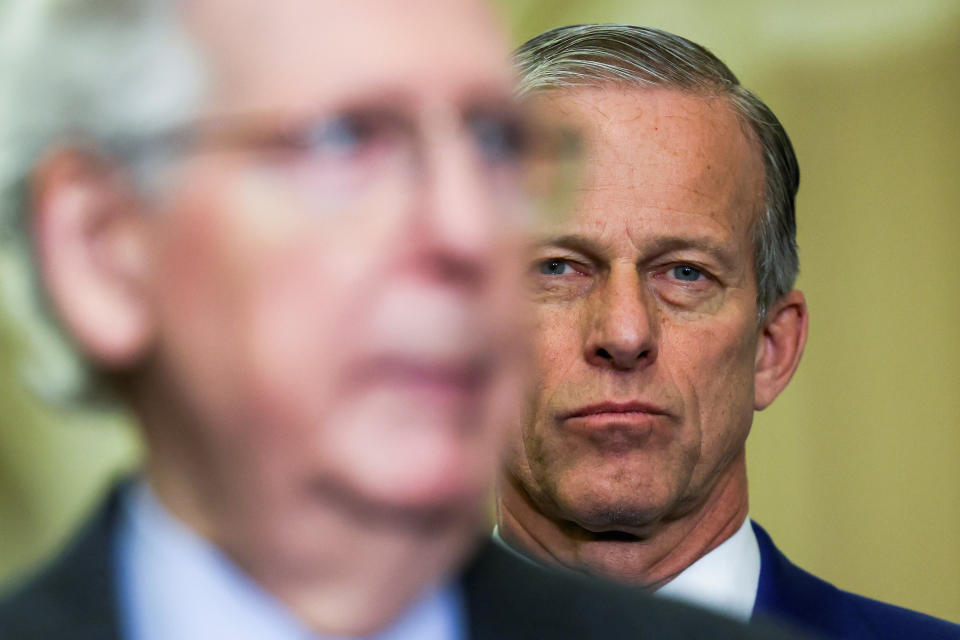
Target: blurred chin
<point>433,489</point>
<point>405,453</point>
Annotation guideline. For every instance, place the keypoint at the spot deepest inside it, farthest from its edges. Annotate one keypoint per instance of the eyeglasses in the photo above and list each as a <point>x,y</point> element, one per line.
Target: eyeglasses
<point>362,155</point>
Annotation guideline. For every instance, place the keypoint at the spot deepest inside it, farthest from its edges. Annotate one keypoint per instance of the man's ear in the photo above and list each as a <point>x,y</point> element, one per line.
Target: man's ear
<point>779,347</point>
<point>90,244</point>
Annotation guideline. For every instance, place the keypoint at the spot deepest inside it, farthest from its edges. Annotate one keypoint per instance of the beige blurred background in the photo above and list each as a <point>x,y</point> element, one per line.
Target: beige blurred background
<point>855,470</point>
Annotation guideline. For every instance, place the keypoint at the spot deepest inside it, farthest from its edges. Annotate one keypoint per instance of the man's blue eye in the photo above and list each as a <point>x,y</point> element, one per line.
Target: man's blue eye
<point>554,267</point>
<point>687,273</point>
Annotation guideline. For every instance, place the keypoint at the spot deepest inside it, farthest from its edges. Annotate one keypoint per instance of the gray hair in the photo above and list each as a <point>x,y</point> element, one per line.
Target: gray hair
<point>592,54</point>
<point>99,73</point>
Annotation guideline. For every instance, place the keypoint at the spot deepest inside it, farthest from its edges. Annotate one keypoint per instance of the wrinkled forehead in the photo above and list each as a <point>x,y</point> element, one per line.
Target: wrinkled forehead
<point>659,154</point>
<point>290,54</point>
<point>675,121</point>
<point>652,138</point>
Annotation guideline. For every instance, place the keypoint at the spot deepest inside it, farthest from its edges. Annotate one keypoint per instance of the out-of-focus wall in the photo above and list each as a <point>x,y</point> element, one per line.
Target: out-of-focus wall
<point>53,463</point>
<point>855,469</point>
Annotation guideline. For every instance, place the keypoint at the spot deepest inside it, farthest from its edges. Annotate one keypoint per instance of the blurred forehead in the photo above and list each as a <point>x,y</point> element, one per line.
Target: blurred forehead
<point>292,54</point>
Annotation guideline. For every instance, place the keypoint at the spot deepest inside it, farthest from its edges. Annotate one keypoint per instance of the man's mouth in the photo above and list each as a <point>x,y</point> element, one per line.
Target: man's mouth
<point>617,426</point>
<point>614,410</point>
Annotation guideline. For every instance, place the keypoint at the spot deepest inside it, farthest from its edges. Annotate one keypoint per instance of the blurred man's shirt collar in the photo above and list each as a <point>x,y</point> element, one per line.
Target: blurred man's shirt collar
<point>724,580</point>
<point>174,584</point>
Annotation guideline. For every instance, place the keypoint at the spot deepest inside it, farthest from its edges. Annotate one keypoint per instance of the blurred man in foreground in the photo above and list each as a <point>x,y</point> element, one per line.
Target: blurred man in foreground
<point>666,315</point>
<point>287,234</point>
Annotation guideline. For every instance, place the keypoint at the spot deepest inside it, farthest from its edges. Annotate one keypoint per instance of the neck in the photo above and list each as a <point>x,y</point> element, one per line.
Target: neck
<point>339,572</point>
<point>366,578</point>
<point>674,542</point>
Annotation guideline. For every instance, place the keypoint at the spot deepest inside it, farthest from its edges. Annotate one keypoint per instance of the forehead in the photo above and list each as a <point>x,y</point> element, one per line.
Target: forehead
<point>662,155</point>
<point>287,54</point>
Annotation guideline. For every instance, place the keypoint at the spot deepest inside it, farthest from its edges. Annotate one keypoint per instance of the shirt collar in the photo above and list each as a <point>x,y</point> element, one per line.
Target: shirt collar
<point>725,580</point>
<point>175,584</point>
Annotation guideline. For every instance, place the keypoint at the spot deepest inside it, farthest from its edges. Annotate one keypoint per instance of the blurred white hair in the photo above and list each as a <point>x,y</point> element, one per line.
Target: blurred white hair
<point>95,72</point>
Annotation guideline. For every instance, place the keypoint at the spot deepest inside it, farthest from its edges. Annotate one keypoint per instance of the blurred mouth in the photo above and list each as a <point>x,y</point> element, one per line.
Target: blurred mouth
<point>458,378</point>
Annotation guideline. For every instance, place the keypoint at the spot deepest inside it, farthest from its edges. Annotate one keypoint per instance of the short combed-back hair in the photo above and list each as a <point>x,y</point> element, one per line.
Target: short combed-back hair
<point>630,56</point>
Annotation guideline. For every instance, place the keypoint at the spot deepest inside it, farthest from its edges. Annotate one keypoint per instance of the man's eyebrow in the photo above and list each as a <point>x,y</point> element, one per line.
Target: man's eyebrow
<point>650,247</point>
<point>571,242</point>
<point>667,244</point>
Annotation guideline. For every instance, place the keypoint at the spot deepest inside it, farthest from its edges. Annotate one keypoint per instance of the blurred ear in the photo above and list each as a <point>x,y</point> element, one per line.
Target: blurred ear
<point>91,246</point>
<point>779,348</point>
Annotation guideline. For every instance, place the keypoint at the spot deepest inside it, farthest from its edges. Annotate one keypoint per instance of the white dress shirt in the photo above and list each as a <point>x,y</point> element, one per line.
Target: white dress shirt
<point>724,580</point>
<point>175,584</point>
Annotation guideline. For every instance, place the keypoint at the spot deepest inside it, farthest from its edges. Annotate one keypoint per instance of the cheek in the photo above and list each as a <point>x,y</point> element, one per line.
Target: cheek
<point>713,365</point>
<point>289,357</point>
<point>199,298</point>
<point>557,369</point>
<point>558,348</point>
<point>246,297</point>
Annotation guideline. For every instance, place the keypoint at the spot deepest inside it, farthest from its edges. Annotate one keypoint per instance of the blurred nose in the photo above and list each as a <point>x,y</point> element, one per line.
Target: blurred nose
<point>456,231</point>
<point>621,333</point>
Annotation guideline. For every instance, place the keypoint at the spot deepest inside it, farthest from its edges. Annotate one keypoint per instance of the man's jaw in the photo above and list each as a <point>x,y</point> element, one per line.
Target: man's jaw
<point>649,555</point>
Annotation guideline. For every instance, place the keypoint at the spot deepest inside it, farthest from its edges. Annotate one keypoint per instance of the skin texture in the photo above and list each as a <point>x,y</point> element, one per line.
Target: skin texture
<point>646,295</point>
<point>324,389</point>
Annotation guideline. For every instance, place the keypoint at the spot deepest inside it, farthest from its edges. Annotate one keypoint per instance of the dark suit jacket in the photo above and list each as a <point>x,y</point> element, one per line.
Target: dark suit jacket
<point>792,595</point>
<point>506,599</point>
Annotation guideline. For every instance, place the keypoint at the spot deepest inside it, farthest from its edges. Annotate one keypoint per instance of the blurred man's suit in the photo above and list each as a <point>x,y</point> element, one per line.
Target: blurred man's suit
<point>286,236</point>
<point>504,597</point>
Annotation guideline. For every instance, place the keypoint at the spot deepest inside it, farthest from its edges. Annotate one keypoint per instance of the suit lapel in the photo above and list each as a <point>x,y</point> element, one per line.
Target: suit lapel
<point>789,593</point>
<point>76,596</point>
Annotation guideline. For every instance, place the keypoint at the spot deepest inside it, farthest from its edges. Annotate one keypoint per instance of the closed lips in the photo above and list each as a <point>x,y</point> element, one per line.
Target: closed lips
<point>614,408</point>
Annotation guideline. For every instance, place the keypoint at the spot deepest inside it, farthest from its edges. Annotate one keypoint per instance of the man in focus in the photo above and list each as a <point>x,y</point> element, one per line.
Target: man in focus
<point>666,315</point>
<point>287,235</point>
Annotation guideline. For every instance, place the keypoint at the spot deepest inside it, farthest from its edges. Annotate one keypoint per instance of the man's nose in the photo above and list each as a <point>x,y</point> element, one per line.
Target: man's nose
<point>622,330</point>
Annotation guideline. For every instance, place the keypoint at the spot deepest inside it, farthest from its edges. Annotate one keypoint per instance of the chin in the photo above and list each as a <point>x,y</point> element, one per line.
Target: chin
<point>606,517</point>
<point>612,508</point>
